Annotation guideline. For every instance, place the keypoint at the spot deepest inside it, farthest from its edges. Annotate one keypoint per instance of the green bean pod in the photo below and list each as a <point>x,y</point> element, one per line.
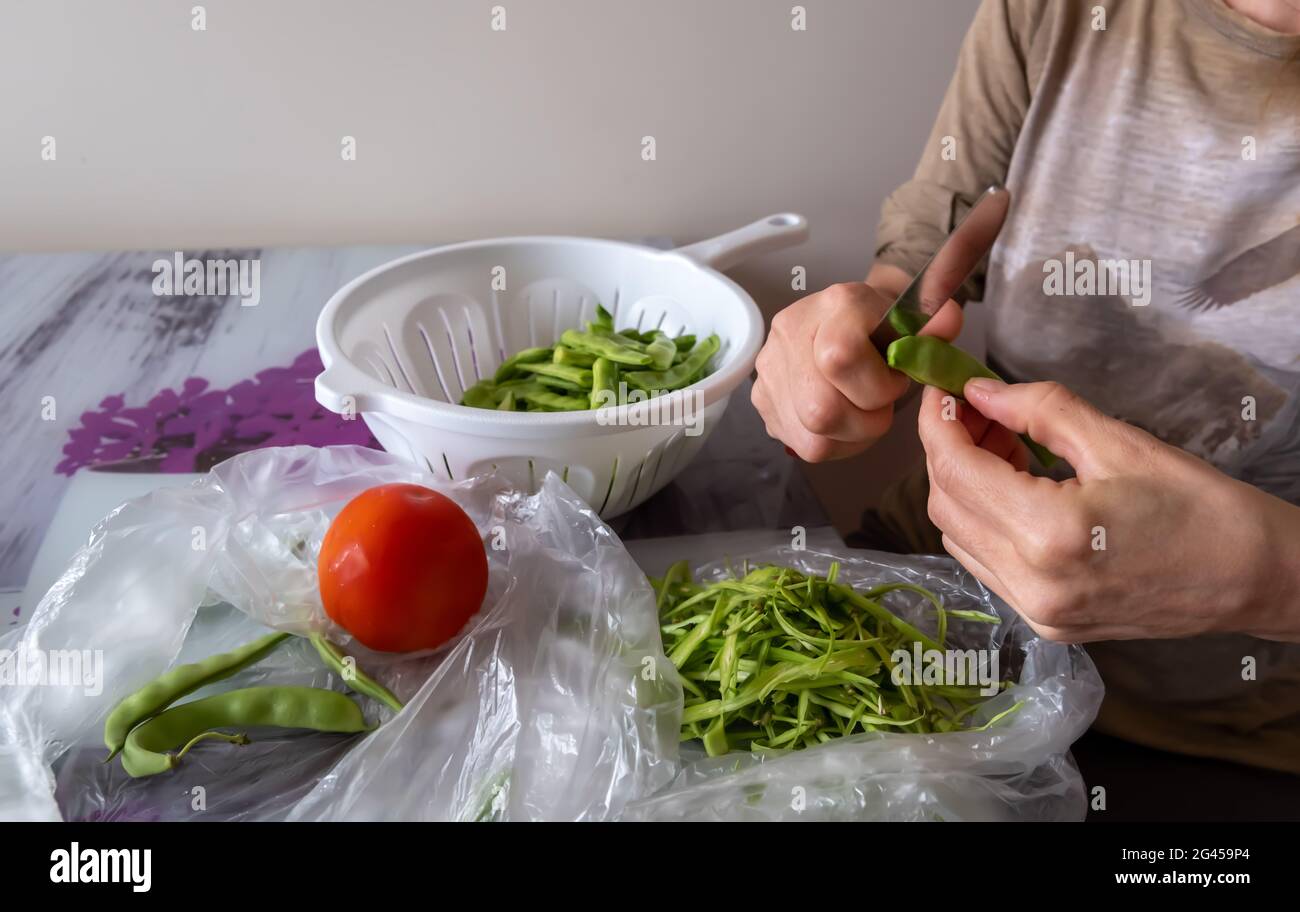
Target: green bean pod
<point>621,350</point>
<point>565,355</point>
<point>934,362</point>
<point>353,675</point>
<point>561,378</point>
<point>629,337</point>
<point>171,685</point>
<point>682,374</point>
<point>604,384</point>
<point>480,395</point>
<point>579,376</point>
<point>564,386</point>
<point>146,750</point>
<point>662,350</point>
<point>507,370</point>
<point>551,401</point>
<point>499,390</point>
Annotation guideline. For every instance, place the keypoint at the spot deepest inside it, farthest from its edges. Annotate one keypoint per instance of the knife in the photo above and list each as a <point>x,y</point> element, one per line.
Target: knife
<point>947,270</point>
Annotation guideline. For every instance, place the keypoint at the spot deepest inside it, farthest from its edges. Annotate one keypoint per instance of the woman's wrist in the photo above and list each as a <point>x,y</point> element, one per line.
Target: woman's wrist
<point>1272,610</point>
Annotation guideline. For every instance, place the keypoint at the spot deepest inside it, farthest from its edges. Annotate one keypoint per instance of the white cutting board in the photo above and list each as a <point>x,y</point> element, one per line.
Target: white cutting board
<point>655,555</point>
<point>89,497</point>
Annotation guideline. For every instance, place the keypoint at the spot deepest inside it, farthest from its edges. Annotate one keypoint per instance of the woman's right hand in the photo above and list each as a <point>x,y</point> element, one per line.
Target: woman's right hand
<point>822,388</point>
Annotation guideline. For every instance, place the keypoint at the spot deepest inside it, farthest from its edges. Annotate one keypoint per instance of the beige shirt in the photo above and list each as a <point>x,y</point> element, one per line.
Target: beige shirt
<point>1169,140</point>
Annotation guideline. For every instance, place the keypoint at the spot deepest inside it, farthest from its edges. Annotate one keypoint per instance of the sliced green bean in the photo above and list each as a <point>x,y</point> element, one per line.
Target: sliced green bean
<point>683,650</point>
<point>778,660</point>
<point>675,575</point>
<point>999,717</point>
<point>981,616</point>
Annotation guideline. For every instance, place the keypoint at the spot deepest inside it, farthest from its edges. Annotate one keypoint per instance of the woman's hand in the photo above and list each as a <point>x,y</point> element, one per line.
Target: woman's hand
<point>822,388</point>
<point>1146,542</point>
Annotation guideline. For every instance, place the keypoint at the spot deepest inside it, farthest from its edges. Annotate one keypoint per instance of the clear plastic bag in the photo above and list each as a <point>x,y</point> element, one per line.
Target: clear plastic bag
<point>1018,769</point>
<point>554,703</point>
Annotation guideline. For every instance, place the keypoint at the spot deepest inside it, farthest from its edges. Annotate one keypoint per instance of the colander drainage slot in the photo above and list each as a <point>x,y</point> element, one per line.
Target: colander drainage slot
<point>433,360</point>
<point>636,482</point>
<point>381,371</point>
<point>410,387</point>
<point>659,463</point>
<point>613,474</point>
<point>455,356</point>
<point>473,352</point>
<point>501,331</point>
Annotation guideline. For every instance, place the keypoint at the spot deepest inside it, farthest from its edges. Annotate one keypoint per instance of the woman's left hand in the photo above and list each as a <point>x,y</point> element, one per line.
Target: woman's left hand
<point>1146,542</point>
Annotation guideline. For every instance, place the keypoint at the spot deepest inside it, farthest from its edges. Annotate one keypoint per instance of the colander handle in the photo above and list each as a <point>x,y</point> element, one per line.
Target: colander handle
<point>342,388</point>
<point>767,234</point>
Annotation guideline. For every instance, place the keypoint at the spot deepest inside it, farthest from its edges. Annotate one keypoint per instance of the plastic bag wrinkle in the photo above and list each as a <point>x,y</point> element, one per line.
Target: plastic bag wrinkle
<point>535,711</point>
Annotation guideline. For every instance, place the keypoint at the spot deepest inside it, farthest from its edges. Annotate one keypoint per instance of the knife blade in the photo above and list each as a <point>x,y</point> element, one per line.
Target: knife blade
<point>946,271</point>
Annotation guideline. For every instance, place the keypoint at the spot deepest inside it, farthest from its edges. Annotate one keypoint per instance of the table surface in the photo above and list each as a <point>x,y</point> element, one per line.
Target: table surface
<point>105,377</point>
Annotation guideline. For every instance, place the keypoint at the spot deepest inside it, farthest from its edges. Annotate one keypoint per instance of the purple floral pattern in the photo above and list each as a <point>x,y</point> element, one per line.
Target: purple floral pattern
<point>194,428</point>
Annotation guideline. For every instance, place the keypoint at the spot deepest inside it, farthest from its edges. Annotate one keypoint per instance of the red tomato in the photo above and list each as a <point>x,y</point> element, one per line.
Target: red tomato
<point>402,568</point>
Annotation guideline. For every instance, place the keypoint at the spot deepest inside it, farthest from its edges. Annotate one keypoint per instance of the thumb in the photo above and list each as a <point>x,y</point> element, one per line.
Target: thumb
<point>1052,415</point>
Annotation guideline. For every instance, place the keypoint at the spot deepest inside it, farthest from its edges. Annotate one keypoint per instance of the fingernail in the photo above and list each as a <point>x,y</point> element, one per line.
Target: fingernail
<point>983,389</point>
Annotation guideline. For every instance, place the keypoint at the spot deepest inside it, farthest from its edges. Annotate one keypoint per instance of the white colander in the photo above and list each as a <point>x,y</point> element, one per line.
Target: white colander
<point>403,342</point>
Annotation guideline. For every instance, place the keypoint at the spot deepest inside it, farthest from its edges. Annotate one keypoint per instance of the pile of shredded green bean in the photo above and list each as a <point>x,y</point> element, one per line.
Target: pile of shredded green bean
<point>780,660</point>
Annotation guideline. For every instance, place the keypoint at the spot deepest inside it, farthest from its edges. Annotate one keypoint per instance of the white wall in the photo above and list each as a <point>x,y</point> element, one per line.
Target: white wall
<point>171,138</point>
